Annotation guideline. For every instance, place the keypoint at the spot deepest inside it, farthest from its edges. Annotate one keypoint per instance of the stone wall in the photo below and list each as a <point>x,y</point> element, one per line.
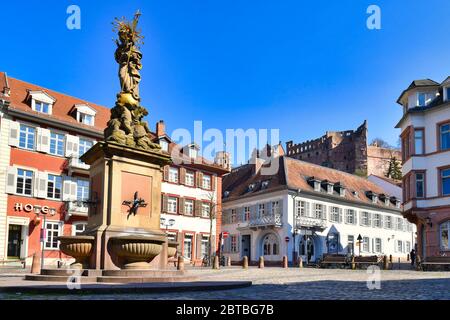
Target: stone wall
<point>345,151</point>
<point>378,159</point>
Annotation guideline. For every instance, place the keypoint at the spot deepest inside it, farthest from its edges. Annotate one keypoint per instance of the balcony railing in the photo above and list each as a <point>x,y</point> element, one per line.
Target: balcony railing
<point>266,221</point>
<point>77,208</point>
<point>76,165</point>
<point>311,222</point>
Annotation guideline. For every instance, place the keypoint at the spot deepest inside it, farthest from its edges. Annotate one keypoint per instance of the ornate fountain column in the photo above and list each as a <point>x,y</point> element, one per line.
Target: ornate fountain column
<point>126,172</point>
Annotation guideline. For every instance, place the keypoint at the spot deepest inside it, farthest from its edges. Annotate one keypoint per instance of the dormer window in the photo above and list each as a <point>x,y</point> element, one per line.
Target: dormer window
<point>447,94</point>
<point>424,98</point>
<point>226,194</point>
<point>373,196</point>
<point>41,102</point>
<point>340,189</point>
<point>315,184</point>
<point>85,114</point>
<point>164,145</point>
<point>328,186</point>
<point>193,153</point>
<point>251,187</point>
<point>265,184</point>
<point>41,107</point>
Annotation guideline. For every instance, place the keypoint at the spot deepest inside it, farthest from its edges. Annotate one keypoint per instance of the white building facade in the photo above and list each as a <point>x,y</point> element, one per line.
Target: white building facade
<point>294,220</point>
<point>425,134</point>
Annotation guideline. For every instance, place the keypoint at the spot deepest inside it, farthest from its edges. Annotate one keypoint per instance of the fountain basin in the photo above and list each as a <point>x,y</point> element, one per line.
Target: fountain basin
<point>78,247</point>
<point>137,251</point>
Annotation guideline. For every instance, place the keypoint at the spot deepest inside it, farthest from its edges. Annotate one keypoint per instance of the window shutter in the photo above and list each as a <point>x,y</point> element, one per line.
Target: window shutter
<point>181,205</point>
<point>166,173</point>
<point>340,215</point>
<point>369,214</point>
<point>67,182</point>
<point>199,179</point>
<point>182,176</point>
<point>41,181</point>
<point>14,128</point>
<point>164,203</point>
<point>198,248</point>
<point>11,180</point>
<point>43,140</point>
<point>73,190</point>
<point>198,208</point>
<point>213,182</point>
<point>72,143</point>
<point>307,208</point>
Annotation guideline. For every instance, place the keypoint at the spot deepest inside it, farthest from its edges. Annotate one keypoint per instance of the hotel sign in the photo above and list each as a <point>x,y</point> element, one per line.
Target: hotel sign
<point>30,208</point>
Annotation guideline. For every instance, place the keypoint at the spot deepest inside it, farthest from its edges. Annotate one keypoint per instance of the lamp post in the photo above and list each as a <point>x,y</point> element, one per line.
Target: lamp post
<point>167,224</point>
<point>294,228</point>
<point>359,243</point>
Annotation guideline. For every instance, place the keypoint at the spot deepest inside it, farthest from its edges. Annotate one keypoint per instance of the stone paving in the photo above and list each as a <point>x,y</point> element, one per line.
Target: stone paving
<point>296,284</point>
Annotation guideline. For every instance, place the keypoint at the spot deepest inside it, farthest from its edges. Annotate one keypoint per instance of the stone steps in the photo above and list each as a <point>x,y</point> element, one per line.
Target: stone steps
<point>145,279</point>
<point>53,278</point>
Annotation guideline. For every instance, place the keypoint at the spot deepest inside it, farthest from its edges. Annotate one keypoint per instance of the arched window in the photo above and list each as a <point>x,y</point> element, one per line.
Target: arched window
<point>444,230</point>
<point>270,245</point>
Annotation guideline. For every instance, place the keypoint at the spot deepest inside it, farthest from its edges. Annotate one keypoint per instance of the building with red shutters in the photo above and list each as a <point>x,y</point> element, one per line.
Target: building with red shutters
<point>42,135</point>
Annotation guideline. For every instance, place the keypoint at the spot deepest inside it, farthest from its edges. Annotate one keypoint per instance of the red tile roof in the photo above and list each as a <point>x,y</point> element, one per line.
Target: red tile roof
<point>294,174</point>
<point>19,99</point>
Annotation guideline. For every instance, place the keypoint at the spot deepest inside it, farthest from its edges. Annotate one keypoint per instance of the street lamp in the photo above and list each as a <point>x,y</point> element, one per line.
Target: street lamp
<point>167,224</point>
<point>294,228</point>
<point>359,243</point>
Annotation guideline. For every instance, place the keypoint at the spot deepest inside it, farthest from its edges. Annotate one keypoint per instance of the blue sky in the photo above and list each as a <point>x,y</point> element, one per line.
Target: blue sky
<point>304,67</point>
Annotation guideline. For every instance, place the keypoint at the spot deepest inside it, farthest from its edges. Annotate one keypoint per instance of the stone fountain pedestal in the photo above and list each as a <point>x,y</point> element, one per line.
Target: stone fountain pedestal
<point>120,244</point>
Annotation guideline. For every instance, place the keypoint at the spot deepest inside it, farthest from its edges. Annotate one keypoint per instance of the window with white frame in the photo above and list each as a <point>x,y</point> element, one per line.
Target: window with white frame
<point>234,243</point>
<point>57,143</point>
<point>350,216</point>
<point>172,205</point>
<point>366,244</point>
<point>444,136</point>
<point>27,137</point>
<point>399,224</point>
<point>365,218</point>
<point>164,145</point>
<point>193,152</point>
<point>42,107</point>
<point>301,208</point>
<point>206,207</point>
<point>233,215</point>
<point>335,214</point>
<point>378,245</point>
<point>408,247</point>
<point>388,222</point>
<point>187,252</point>
<point>189,178</point>
<point>82,190</point>
<point>84,145</point>
<point>54,186</point>
<point>275,208</point>
<point>424,98</point>
<point>189,207</point>
<point>24,182</point>
<point>246,213</point>
<point>204,245</point>
<point>53,231</point>
<point>173,175</point>
<point>206,182</point>
<point>377,220</point>
<point>444,230</point>
<point>87,119</point>
<point>399,246</point>
<point>78,228</point>
<point>319,211</point>
<point>261,210</point>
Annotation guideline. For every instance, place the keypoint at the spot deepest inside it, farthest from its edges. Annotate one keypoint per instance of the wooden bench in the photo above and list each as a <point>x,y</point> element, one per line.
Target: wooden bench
<point>333,260</point>
<point>435,263</point>
<point>366,261</point>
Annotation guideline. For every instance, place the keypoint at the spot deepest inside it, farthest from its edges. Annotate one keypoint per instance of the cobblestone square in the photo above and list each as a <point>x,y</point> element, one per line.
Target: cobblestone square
<point>289,284</point>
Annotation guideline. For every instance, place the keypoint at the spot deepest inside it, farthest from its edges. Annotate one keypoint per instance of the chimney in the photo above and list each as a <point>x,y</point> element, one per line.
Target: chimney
<point>160,128</point>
